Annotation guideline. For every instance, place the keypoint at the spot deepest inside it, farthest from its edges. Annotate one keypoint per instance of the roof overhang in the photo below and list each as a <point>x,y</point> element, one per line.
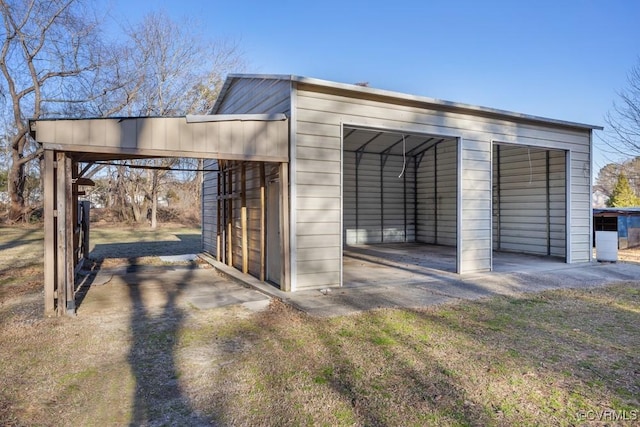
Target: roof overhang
<point>250,137</point>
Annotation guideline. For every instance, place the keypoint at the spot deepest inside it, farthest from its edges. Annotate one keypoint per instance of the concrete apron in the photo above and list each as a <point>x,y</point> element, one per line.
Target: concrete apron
<point>416,286</point>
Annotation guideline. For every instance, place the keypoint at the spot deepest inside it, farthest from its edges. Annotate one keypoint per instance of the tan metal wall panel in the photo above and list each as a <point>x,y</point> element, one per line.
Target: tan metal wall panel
<point>320,116</point>
<point>209,208</point>
<point>436,223</point>
<point>259,140</point>
<point>522,205</point>
<point>382,211</point>
<point>256,95</point>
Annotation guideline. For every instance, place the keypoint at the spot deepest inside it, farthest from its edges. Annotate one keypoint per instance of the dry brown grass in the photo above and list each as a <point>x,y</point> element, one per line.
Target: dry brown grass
<point>539,359</point>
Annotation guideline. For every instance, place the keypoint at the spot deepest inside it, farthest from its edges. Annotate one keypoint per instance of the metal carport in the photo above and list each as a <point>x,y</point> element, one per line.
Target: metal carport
<point>69,142</point>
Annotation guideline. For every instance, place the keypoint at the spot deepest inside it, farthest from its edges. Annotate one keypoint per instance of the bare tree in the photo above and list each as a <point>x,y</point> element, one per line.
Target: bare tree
<point>49,47</point>
<point>174,71</point>
<point>624,119</point>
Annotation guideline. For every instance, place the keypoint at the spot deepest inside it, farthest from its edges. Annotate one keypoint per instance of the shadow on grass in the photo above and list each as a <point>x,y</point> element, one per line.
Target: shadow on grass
<point>22,239</point>
<point>540,359</point>
<point>158,398</point>
<point>187,244</point>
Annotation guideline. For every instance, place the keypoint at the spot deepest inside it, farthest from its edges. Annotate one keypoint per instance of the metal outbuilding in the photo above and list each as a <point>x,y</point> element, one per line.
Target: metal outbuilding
<point>329,166</point>
<point>369,166</point>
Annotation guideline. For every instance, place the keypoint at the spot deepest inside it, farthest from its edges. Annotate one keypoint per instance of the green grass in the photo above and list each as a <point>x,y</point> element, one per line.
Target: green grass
<point>534,360</point>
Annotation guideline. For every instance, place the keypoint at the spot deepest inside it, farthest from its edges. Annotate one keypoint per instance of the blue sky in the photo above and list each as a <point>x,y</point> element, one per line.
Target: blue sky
<point>560,59</point>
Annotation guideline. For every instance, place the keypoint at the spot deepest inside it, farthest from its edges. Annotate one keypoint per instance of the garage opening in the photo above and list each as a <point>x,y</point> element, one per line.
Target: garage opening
<point>399,200</point>
<point>529,200</point>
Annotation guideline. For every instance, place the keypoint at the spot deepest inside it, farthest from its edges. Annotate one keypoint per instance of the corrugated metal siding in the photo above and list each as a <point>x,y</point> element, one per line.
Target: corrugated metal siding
<point>317,227</point>
<point>257,96</point>
<point>383,209</point>
<point>245,96</point>
<point>437,183</point>
<point>209,207</point>
<point>319,118</point>
<point>528,218</point>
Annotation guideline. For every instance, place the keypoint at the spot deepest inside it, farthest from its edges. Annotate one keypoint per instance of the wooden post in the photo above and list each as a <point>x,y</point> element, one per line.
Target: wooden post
<point>263,223</point>
<point>71,209</point>
<point>230,216</point>
<point>284,228</point>
<point>86,214</point>
<point>50,250</point>
<point>75,213</point>
<point>61,235</point>
<point>243,218</point>
<point>218,215</point>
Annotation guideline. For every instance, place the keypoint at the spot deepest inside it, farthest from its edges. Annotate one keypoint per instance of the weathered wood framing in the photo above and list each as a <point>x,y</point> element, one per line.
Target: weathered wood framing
<point>263,223</point>
<point>229,242</point>
<point>231,139</point>
<point>50,246</point>
<point>243,218</point>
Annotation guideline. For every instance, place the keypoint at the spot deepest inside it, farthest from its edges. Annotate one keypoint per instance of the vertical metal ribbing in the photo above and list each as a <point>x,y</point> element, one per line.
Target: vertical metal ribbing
<point>381,198</point>
<point>357,199</point>
<point>498,199</point>
<point>548,183</point>
<point>404,187</point>
<point>415,198</point>
<point>435,194</point>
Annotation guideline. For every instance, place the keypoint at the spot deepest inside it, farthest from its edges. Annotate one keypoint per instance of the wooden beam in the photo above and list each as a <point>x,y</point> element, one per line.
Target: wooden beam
<point>49,233</point>
<point>71,212</point>
<point>263,223</point>
<point>243,219</point>
<point>85,181</point>
<point>285,282</point>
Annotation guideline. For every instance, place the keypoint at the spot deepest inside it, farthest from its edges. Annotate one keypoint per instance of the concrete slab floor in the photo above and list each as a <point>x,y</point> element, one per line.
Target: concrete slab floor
<point>408,276</point>
<point>372,282</point>
<point>163,288</point>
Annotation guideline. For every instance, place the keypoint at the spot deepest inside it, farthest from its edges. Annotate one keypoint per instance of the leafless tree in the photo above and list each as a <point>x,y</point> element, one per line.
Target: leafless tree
<point>172,71</point>
<point>624,119</point>
<point>49,48</point>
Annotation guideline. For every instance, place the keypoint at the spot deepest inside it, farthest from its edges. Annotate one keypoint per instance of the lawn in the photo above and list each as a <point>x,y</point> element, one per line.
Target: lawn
<point>565,357</point>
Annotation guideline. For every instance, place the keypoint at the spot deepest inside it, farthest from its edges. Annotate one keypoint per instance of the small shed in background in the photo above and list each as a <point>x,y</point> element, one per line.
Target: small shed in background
<point>626,221</point>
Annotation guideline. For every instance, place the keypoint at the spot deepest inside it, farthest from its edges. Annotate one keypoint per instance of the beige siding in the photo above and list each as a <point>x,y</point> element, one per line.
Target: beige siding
<point>257,140</point>
<point>437,183</point>
<point>319,117</point>
<point>527,217</point>
<point>210,207</point>
<point>245,96</point>
<point>383,208</point>
<point>256,96</point>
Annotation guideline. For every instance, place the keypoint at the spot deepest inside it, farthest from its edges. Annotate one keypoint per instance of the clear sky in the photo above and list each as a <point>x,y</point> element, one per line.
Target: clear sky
<point>559,59</point>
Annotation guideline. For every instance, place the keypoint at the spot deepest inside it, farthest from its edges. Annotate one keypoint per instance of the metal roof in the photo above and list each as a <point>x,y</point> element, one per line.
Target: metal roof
<point>616,211</point>
<point>423,101</point>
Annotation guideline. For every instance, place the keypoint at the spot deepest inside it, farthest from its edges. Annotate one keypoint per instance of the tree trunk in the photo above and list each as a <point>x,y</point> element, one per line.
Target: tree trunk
<point>154,200</point>
<point>15,185</point>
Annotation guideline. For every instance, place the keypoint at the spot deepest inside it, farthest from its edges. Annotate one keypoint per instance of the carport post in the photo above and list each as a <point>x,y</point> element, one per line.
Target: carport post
<point>50,252</point>
<point>65,208</point>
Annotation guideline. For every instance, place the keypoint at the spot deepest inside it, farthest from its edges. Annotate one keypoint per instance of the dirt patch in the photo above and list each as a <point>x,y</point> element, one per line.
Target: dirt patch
<point>631,255</point>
